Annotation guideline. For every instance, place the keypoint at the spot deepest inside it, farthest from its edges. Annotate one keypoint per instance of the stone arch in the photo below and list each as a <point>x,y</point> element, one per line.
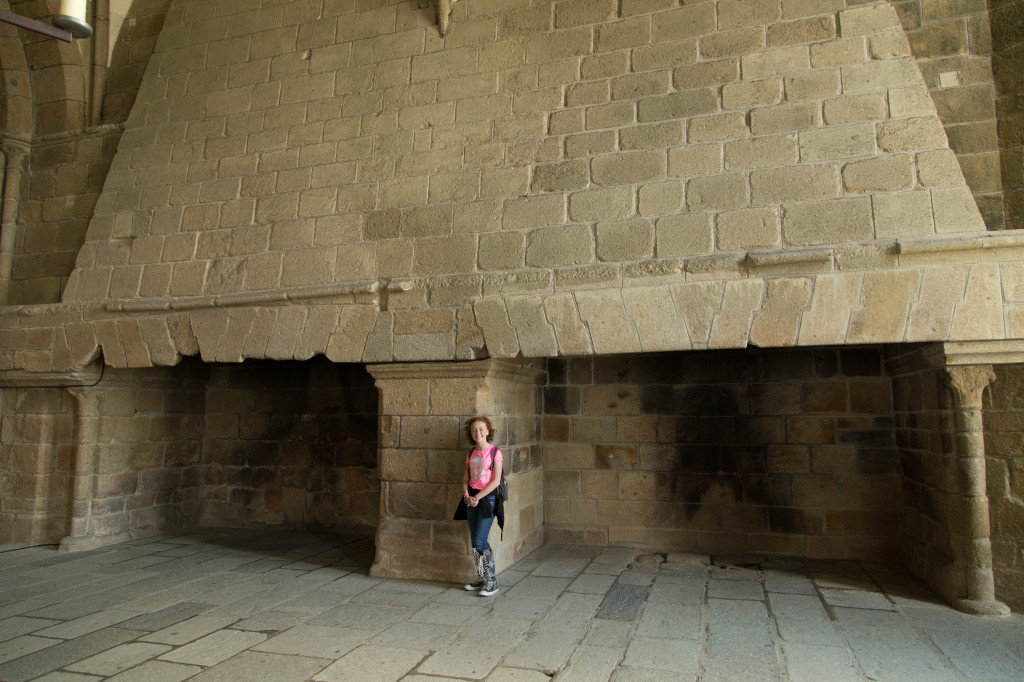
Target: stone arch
<point>15,84</point>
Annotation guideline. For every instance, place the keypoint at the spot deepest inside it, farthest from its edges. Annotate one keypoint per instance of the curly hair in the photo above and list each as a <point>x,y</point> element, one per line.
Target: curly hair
<point>485,420</point>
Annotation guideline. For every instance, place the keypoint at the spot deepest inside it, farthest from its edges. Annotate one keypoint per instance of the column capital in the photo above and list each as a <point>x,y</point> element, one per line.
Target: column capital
<point>968,381</point>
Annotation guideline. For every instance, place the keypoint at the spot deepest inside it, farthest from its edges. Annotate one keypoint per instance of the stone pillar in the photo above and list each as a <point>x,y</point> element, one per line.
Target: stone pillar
<point>81,529</point>
<point>421,450</point>
<point>14,155</point>
<point>972,536</point>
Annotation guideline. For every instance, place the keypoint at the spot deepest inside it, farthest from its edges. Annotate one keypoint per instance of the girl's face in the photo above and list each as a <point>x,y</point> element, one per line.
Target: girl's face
<point>478,430</point>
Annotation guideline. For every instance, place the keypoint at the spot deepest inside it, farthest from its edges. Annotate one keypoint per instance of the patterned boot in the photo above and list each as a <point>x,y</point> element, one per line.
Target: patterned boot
<point>478,561</point>
<point>490,579</point>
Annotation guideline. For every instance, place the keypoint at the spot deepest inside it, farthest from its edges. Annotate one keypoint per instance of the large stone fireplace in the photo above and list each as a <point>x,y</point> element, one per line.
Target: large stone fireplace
<point>729,276</point>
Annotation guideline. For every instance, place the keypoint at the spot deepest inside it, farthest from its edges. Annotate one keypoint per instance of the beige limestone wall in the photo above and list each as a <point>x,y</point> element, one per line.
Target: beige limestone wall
<point>1004,450</point>
<point>525,144</point>
<point>37,427</point>
<point>1008,72</point>
<point>787,452</point>
<point>951,42</point>
<point>291,443</point>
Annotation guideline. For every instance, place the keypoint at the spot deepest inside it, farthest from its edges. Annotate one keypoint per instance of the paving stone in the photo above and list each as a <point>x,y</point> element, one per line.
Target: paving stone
<point>543,650</point>
<point>446,614</point>
<point>118,659</point>
<point>189,630</point>
<point>64,653</point>
<point>24,645</point>
<point>86,624</point>
<point>363,616</point>
<point>158,620</point>
<point>467,659</point>
<point>735,589</point>
<point>590,663</point>
<point>644,675</point>
<point>674,655</point>
<point>370,662</point>
<point>561,567</point>
<point>214,648</point>
<point>501,675</point>
<point>15,626</point>
<point>971,654</point>
<point>592,584</point>
<point>383,597</point>
<point>666,621</point>
<point>753,642</point>
<point>797,606</point>
<point>536,587</point>
<point>608,633</point>
<point>314,641</point>
<point>254,665</point>
<point>423,636</point>
<point>61,676</point>
<point>890,655</point>
<point>682,593</point>
<point>728,668</point>
<point>623,602</point>
<point>157,671</point>
<point>812,663</point>
<point>811,632</point>
<point>737,612</point>
<point>857,599</point>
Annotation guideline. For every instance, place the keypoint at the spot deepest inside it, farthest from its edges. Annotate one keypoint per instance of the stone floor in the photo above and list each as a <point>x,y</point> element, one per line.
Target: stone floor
<point>233,605</point>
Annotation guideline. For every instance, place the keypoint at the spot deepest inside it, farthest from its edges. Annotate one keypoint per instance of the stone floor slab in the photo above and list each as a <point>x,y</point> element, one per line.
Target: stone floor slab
<point>118,659</point>
<point>381,664</point>
<point>157,671</point>
<point>255,665</point>
<point>314,641</point>
<point>214,648</point>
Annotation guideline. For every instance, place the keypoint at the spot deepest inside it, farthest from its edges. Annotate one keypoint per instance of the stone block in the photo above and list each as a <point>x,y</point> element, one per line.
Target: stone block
<point>499,335</point>
<point>604,313</point>
<point>761,152</point>
<point>629,167</point>
<point>737,13</point>
<point>911,135</point>
<point>693,159</point>
<point>854,108</point>
<point>794,183</point>
<point>533,212</point>
<point>747,229</point>
<point>827,222</point>
<point>685,234</point>
<point>806,30</point>
<point>979,316</point>
<point>878,76</point>
<point>812,85</point>
<point>832,301</point>
<point>732,43</point>
<point>704,74</point>
<point>535,335</point>
<point>938,168</point>
<point>658,324</point>
<point>625,240</point>
<point>717,192</point>
<point>606,203</point>
<point>885,303</point>
<point>664,55</point>
<point>570,333</point>
<point>590,144</point>
<point>955,210</point>
<point>677,105</point>
<point>785,118</point>
<point>778,322</point>
<point>868,19</point>
<point>724,126</point>
<point>881,174</point>
<point>731,326</point>
<point>501,251</point>
<point>660,198</point>
<point>906,214</point>
<point>747,94</point>
<point>684,22</point>
<point>775,62</point>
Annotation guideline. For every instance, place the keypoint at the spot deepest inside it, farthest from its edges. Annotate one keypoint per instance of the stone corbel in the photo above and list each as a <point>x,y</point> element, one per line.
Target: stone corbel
<point>967,383</point>
<point>444,14</point>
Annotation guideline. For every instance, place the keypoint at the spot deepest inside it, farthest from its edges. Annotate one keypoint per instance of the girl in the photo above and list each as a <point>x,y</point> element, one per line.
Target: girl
<point>481,477</point>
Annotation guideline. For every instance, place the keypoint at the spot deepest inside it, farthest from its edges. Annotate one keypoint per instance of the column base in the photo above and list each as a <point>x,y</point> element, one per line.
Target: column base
<point>83,543</point>
<point>980,607</point>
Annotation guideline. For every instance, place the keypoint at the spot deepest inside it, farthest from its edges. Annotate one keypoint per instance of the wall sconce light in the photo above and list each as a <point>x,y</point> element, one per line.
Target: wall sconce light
<point>72,18</point>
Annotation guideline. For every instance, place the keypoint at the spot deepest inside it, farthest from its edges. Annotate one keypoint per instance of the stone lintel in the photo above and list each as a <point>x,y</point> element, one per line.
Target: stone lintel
<point>87,376</point>
<point>490,368</point>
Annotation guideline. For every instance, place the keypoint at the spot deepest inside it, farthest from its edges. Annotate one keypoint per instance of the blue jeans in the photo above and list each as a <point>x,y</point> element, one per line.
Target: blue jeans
<point>479,527</point>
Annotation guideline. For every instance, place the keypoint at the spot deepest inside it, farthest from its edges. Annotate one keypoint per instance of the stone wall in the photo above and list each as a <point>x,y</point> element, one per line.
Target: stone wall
<point>36,464</point>
<point>1008,73</point>
<point>1004,449</point>
<point>772,451</point>
<point>137,460</point>
<point>951,43</point>
<point>291,443</point>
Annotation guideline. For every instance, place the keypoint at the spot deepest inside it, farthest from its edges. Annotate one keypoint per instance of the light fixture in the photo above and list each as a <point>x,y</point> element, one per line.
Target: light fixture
<point>72,18</point>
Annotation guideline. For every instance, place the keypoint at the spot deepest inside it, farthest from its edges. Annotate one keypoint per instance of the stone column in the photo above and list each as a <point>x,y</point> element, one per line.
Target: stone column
<point>14,155</point>
<point>421,451</point>
<point>81,531</point>
<point>973,536</point>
